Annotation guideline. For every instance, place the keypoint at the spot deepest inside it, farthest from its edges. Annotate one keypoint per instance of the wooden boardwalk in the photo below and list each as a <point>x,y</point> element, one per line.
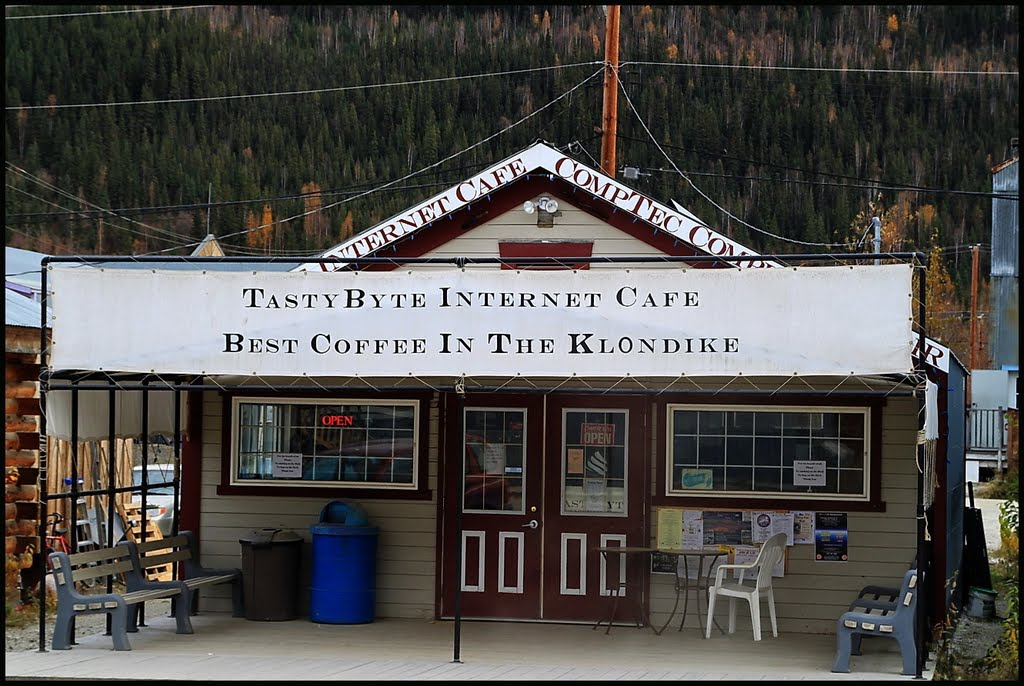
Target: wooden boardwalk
<point>224,648</point>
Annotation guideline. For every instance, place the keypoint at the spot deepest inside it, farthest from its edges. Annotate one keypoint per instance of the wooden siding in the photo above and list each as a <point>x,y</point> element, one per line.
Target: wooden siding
<point>406,541</point>
<point>571,224</point>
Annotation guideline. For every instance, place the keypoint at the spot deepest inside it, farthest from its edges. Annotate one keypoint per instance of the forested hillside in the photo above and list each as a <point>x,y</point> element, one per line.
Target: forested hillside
<point>800,121</point>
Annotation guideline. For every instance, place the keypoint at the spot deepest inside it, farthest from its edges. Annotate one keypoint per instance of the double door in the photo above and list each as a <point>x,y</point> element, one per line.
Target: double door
<point>543,481</point>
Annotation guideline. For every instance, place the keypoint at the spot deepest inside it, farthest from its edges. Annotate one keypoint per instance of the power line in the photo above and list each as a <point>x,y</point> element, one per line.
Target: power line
<point>92,14</point>
<point>911,189</point>
<point>702,193</point>
<point>50,202</point>
<point>807,171</point>
<point>311,91</point>
<point>428,167</point>
<point>934,72</point>
<point>167,235</point>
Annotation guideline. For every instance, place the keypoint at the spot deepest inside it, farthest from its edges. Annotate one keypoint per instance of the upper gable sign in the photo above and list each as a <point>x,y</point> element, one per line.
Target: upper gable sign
<point>681,224</point>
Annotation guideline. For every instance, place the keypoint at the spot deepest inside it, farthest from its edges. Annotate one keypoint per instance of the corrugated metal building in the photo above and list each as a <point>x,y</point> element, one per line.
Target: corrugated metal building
<point>1005,306</point>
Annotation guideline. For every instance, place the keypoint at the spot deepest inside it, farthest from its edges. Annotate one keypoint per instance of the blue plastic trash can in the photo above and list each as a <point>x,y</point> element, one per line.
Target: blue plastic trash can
<point>343,582</point>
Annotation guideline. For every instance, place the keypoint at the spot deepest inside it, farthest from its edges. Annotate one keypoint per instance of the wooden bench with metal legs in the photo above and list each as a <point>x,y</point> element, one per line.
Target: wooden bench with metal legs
<point>880,618</point>
<point>99,565</point>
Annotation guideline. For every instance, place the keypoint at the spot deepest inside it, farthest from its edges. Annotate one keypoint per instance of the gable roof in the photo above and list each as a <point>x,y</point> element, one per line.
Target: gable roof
<point>551,171</point>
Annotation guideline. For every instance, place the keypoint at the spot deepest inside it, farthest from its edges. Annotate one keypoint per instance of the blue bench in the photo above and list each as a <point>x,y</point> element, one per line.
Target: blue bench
<point>877,617</point>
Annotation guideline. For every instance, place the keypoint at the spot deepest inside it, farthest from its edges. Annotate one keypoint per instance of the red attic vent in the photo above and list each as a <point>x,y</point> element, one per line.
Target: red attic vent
<point>519,254</point>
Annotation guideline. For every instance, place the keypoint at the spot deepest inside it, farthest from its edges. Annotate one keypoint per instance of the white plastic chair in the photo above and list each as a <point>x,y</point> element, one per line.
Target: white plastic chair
<point>770,554</point>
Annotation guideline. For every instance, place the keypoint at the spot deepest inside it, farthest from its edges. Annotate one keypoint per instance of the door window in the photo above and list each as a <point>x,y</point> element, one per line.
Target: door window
<point>494,466</point>
<point>594,462</point>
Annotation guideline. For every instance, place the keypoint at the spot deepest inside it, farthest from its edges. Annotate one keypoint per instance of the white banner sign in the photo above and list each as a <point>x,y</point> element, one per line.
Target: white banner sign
<point>636,322</point>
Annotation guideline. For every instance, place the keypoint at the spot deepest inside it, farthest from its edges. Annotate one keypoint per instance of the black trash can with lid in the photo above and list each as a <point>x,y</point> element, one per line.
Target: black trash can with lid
<point>270,574</point>
<point>343,581</point>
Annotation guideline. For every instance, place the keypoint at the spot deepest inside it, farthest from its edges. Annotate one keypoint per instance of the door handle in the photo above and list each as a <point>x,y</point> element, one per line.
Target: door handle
<point>532,524</point>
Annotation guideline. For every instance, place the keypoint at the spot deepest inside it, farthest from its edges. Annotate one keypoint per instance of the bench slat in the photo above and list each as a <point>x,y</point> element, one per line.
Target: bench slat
<point>99,571</point>
<point>152,560</point>
<point>152,594</point>
<point>198,581</point>
<point>98,555</point>
<point>158,543</point>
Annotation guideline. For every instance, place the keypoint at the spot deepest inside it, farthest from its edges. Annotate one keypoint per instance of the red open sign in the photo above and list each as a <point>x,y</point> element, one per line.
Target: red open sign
<point>337,420</point>
<point>597,434</point>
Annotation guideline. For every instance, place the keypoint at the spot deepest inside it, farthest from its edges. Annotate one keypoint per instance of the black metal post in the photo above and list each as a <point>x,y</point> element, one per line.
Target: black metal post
<point>923,568</point>
<point>457,462</point>
<point>111,460</point>
<point>41,489</point>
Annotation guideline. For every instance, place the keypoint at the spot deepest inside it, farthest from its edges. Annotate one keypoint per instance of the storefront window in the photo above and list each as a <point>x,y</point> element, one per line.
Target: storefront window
<point>320,442</point>
<point>494,466</point>
<point>801,452</point>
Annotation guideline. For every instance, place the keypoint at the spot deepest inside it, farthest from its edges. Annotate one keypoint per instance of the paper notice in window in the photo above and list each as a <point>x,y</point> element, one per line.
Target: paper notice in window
<point>286,465</point>
<point>494,459</point>
<point>574,461</point>
<point>595,492</point>
<point>808,472</point>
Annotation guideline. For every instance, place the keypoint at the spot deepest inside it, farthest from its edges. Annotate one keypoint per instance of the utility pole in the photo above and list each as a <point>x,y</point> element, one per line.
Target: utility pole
<point>609,114</point>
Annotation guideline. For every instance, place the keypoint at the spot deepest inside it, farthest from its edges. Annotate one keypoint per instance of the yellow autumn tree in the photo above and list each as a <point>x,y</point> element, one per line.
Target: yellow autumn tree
<point>312,217</point>
<point>948,315</point>
<point>266,229</point>
<point>251,237</point>
<point>345,231</point>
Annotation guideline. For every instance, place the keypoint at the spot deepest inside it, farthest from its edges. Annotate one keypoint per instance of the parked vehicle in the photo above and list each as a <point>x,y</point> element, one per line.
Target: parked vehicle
<point>159,501</point>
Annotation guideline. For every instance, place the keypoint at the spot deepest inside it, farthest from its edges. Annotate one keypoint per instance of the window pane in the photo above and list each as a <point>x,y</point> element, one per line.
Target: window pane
<point>851,453</point>
<point>829,425</point>
<point>742,424</point>
<point>710,450</point>
<point>768,451</point>
<point>769,480</point>
<point>827,451</point>
<point>795,449</point>
<point>684,422</point>
<point>685,450</point>
<point>711,423</point>
<point>739,451</point>
<point>739,479</point>
<point>768,424</point>
<point>851,481</point>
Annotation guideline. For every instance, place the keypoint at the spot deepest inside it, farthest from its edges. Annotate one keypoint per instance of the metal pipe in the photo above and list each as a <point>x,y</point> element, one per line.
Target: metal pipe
<point>595,259</point>
<point>891,392</point>
<point>460,446</point>
<point>923,568</point>
<point>41,487</point>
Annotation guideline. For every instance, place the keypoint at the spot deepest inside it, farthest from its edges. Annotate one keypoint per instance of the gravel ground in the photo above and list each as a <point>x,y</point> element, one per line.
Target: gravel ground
<point>26,636</point>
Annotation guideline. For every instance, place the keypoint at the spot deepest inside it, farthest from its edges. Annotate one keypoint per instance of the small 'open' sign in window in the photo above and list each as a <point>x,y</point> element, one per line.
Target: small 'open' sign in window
<point>337,420</point>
